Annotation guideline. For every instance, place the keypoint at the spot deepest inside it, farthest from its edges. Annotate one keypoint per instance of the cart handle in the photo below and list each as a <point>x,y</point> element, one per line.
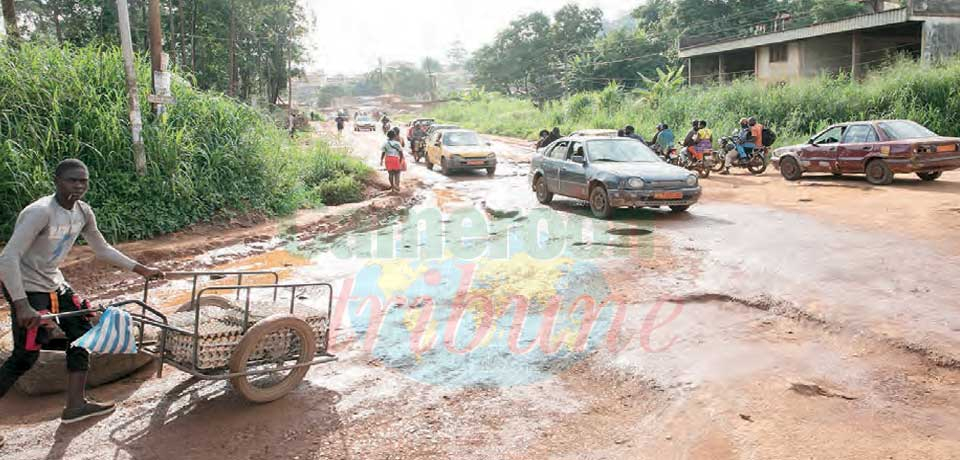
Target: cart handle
<point>101,309</point>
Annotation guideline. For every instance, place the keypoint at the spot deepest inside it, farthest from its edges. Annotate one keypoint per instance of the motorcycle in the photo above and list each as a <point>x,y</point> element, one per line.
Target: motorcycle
<point>701,163</point>
<point>755,160</point>
<point>418,147</point>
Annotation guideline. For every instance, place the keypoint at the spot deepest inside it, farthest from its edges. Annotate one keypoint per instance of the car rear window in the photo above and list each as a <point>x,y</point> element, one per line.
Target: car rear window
<point>899,130</point>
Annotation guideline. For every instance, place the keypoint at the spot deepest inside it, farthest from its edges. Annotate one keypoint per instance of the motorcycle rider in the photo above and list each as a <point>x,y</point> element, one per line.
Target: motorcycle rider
<point>743,139</point>
<point>690,140</point>
<point>703,142</point>
<point>664,137</point>
<point>385,121</point>
<point>757,130</point>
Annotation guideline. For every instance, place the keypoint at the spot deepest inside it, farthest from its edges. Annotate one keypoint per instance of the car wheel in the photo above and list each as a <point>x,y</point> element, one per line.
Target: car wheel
<point>790,168</point>
<point>929,176</point>
<point>878,173</point>
<point>491,170</point>
<point>680,208</point>
<point>600,202</point>
<point>426,161</point>
<point>444,168</point>
<point>544,195</point>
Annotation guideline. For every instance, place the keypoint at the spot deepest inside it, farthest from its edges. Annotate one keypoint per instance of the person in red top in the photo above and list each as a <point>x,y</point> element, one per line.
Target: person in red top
<point>757,130</point>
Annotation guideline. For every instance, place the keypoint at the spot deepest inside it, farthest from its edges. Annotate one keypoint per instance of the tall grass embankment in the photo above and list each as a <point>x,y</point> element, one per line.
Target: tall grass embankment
<point>928,94</point>
<point>207,156</point>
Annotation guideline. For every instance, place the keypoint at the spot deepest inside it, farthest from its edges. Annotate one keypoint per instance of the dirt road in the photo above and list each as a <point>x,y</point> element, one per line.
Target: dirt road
<point>773,321</point>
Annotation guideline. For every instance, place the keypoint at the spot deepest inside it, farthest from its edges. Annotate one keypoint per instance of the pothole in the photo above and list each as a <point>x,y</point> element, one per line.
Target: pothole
<point>629,231</point>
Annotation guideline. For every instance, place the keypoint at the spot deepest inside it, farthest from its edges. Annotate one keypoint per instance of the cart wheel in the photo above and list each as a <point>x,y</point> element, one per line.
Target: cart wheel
<point>210,300</point>
<point>272,343</point>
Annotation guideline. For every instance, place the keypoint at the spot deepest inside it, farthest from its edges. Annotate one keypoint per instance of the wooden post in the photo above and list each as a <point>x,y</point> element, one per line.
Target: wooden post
<point>690,71</point>
<point>720,66</point>
<point>156,45</point>
<point>855,56</point>
<point>173,34</point>
<point>136,122</point>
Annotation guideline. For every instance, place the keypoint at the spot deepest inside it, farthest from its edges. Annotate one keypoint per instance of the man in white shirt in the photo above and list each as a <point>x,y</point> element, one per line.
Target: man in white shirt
<point>45,232</point>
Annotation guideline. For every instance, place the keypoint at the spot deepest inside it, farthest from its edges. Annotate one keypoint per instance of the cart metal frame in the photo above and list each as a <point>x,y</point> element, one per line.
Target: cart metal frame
<point>149,316</point>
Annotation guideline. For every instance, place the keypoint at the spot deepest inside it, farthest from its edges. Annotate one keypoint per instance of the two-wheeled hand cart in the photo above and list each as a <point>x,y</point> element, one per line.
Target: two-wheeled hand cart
<point>263,340</point>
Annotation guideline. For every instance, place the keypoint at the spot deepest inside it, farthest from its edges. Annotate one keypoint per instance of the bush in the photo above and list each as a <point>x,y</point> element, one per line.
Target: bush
<point>927,94</point>
<point>207,155</point>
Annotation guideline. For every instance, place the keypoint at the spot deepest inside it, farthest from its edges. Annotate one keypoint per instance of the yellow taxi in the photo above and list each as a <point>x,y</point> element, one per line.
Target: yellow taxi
<point>456,149</point>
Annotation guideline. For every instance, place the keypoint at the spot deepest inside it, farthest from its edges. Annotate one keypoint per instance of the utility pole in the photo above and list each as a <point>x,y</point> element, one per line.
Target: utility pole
<point>136,122</point>
<point>232,86</point>
<point>290,89</point>
<point>156,46</point>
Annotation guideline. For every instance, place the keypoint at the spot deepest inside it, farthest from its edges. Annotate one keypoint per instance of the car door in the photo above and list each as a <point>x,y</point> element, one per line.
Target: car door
<point>821,154</point>
<point>573,175</point>
<point>858,141</point>
<point>553,158</point>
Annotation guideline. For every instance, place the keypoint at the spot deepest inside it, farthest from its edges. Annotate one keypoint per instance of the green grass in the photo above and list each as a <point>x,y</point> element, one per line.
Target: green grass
<point>905,89</point>
<point>208,155</point>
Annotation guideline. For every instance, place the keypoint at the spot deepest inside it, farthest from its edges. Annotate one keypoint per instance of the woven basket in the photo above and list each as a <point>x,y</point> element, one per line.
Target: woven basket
<point>222,329</point>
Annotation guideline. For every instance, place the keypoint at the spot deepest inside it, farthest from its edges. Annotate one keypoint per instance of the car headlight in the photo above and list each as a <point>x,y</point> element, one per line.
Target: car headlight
<point>491,155</point>
<point>635,182</point>
<point>692,180</point>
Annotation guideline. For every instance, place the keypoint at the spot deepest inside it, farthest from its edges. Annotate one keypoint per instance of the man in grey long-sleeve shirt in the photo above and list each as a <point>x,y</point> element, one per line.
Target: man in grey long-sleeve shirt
<point>45,232</point>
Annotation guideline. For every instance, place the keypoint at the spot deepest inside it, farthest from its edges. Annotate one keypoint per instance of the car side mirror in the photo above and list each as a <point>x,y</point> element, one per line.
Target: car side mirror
<point>578,159</point>
<point>437,144</point>
<point>489,144</point>
<point>812,141</point>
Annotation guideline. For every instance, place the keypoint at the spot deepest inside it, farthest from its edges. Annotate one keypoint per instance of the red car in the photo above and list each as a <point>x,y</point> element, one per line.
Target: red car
<point>878,149</point>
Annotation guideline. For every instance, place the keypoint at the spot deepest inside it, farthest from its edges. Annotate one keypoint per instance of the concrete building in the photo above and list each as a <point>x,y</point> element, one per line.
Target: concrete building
<point>928,30</point>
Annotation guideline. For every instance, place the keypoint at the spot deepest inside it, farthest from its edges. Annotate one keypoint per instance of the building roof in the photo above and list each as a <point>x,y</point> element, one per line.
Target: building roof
<point>867,21</point>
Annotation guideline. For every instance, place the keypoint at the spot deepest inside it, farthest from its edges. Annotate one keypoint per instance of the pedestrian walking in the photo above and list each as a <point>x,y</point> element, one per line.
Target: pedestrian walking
<point>391,156</point>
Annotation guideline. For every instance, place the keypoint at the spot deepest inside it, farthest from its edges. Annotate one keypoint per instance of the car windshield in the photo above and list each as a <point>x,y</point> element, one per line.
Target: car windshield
<point>461,138</point>
<point>899,130</point>
<point>620,150</point>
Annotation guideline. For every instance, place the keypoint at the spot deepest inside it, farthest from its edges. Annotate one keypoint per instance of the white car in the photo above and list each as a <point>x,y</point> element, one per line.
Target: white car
<point>364,123</point>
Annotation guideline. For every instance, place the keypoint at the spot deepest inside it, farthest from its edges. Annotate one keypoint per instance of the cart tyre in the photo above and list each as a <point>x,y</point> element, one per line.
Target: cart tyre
<point>210,300</point>
<point>250,341</point>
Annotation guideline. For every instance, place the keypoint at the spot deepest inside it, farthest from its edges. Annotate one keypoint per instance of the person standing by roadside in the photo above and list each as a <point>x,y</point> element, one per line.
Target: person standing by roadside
<point>542,139</point>
<point>44,234</point>
<point>391,156</point>
<point>554,135</point>
<point>631,132</point>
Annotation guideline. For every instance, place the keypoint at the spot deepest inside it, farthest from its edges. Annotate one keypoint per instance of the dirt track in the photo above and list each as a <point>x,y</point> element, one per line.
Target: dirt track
<point>776,320</point>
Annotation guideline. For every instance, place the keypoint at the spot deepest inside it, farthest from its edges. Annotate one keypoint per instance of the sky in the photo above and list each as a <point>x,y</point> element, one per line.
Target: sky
<point>350,35</point>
